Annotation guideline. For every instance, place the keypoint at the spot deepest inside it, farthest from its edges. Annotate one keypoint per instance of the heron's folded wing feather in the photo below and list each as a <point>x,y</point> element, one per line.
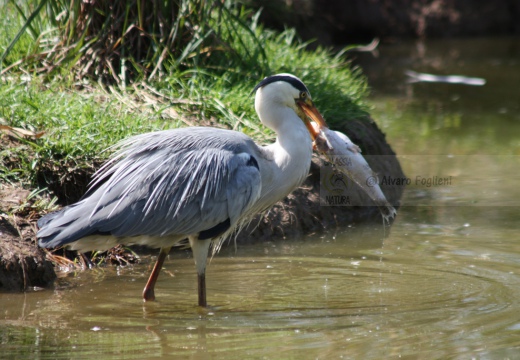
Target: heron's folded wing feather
<point>192,192</point>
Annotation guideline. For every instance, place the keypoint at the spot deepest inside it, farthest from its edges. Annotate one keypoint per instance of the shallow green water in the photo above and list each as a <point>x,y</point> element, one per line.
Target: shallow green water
<point>442,283</point>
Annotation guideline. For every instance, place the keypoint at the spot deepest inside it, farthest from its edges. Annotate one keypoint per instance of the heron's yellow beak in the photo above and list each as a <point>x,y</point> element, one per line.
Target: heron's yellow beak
<point>313,114</point>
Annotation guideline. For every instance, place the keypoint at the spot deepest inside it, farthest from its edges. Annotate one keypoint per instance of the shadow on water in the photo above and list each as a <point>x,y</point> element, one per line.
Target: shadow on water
<point>443,282</point>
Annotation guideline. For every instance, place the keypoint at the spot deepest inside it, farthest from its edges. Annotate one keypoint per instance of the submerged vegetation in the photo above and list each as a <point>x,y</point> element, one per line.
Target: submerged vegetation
<point>88,74</point>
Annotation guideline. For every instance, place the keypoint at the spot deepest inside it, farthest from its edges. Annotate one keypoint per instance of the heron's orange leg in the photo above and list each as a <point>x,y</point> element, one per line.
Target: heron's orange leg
<point>148,292</point>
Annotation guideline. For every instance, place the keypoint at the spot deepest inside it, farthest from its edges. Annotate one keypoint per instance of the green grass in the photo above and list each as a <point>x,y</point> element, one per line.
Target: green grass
<point>81,117</point>
<point>77,125</point>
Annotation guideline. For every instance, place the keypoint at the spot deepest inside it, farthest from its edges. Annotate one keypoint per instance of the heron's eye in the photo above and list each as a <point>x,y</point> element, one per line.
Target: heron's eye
<point>303,95</point>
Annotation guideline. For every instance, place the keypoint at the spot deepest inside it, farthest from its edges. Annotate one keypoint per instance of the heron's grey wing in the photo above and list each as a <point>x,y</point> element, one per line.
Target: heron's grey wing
<point>180,183</point>
<point>187,193</point>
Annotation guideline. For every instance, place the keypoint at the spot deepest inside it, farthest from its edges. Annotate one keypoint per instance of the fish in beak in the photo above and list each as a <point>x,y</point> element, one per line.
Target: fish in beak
<point>313,114</point>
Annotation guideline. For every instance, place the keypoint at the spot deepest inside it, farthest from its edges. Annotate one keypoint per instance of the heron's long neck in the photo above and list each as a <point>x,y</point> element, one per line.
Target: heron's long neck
<point>291,155</point>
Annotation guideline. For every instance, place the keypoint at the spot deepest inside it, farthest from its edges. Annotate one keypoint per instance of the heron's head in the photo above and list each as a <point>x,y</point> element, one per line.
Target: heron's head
<point>288,91</point>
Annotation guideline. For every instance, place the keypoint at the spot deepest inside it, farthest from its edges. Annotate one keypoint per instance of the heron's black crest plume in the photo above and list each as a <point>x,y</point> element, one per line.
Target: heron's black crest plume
<point>294,81</point>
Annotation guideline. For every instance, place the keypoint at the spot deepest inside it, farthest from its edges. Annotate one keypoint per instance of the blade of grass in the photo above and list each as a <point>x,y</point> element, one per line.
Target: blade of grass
<point>22,31</point>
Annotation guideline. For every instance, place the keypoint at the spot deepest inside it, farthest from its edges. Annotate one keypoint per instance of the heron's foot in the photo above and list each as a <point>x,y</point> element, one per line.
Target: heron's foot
<point>148,294</point>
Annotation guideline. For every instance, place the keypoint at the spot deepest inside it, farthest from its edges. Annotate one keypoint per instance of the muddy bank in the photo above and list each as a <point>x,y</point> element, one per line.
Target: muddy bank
<point>23,265</point>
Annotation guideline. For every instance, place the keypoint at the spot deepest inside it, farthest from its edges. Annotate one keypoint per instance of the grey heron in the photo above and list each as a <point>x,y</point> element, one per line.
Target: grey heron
<point>196,183</point>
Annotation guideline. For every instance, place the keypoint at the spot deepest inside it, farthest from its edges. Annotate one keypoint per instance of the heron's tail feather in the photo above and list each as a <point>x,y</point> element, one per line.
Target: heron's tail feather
<point>64,226</point>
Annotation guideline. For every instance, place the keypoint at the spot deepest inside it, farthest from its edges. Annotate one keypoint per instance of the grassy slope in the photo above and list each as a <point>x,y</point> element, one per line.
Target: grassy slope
<point>82,119</point>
